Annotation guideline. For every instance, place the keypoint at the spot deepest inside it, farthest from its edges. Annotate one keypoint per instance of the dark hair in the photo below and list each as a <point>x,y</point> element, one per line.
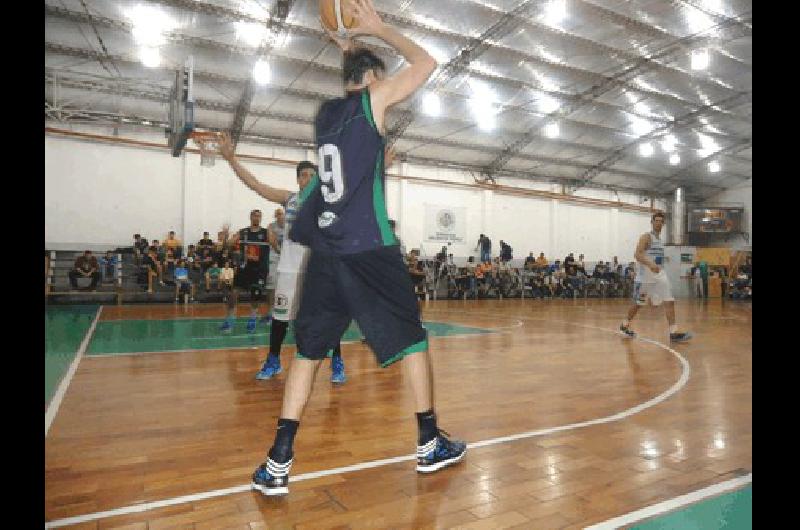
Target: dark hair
<point>137,235</point>
<point>658,214</point>
<point>254,211</point>
<point>305,164</point>
<point>358,62</point>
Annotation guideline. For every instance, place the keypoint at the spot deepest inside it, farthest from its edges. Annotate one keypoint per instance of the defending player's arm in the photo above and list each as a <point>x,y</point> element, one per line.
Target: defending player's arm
<point>227,151</point>
<point>641,254</point>
<point>272,237</point>
<point>386,92</point>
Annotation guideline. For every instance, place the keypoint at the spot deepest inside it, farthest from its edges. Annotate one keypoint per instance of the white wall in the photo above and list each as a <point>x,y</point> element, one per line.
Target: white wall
<point>103,193</point>
<point>741,194</point>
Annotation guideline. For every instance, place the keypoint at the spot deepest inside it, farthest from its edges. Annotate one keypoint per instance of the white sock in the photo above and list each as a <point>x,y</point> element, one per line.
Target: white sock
<point>673,328</point>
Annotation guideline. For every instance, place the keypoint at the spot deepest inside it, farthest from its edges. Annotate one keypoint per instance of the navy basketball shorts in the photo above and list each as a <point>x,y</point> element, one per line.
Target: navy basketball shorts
<point>374,289</point>
<point>251,277</point>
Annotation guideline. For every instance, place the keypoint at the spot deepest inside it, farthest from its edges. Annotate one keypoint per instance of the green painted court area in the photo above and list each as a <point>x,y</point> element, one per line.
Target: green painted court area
<point>64,329</point>
<point>115,337</point>
<point>731,511</point>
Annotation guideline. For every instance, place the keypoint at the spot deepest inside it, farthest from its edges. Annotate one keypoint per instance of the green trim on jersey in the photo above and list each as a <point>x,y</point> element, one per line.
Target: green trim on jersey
<point>379,203</point>
<point>366,103</point>
<point>306,192</point>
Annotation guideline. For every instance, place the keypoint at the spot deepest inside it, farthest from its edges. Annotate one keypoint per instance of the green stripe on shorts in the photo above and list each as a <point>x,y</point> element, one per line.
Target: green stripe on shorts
<point>414,348</point>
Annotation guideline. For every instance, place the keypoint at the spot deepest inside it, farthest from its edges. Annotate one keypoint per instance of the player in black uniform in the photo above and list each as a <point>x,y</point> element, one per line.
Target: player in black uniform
<point>355,270</point>
<point>253,243</point>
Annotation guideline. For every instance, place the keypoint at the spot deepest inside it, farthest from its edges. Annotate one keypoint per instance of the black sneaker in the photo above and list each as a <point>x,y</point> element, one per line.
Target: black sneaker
<point>627,330</point>
<point>272,478</point>
<point>680,337</point>
<point>439,453</point>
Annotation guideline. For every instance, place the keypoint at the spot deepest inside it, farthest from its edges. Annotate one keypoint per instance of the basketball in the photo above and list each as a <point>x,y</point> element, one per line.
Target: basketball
<point>337,15</point>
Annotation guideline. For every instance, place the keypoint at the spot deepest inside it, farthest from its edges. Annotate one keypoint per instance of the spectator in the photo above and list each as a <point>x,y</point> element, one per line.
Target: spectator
<point>569,259</point>
<point>275,232</point>
<point>703,266</point>
<point>173,243</point>
<point>530,262</point>
<point>160,253</point>
<point>206,242</point>
<point>226,277</point>
<point>85,266</point>
<point>140,246</point>
<point>581,263</point>
<point>154,268</point>
<point>108,265</point>
<point>471,277</point>
<point>505,251</point>
<point>213,273</point>
<point>485,247</point>
<point>182,282</point>
<point>207,259</point>
<point>169,262</point>
<point>571,273</point>
<point>541,262</point>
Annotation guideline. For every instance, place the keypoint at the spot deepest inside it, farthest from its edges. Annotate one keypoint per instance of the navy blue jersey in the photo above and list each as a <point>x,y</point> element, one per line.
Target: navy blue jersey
<point>346,211</point>
<point>255,254</point>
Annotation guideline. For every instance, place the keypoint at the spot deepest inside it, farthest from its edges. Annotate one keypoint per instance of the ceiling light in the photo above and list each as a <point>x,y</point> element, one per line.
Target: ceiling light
<point>551,130</point>
<point>431,105</point>
<point>640,126</point>
<point>700,59</point>
<point>548,104</point>
<point>150,57</point>
<point>250,32</point>
<point>555,11</point>
<point>668,143</point>
<point>714,166</point>
<point>674,159</point>
<point>262,72</point>
<point>646,149</point>
<point>150,24</point>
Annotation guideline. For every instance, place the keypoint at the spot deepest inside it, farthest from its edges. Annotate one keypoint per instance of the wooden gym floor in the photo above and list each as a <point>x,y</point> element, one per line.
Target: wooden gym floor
<point>598,425</point>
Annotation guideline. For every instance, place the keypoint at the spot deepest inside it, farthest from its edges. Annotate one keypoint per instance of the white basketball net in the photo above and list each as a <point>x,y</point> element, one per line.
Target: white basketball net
<point>208,150</point>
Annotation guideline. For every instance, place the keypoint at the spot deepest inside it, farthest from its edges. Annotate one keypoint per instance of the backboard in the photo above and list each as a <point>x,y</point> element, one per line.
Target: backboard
<point>181,108</point>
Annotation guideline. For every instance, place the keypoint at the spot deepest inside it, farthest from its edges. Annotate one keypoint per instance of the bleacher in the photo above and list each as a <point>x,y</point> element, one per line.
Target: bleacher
<point>122,288</point>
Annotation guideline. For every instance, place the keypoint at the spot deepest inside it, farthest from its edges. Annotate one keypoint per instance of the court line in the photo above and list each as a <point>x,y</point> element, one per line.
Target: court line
<point>52,410</point>
<point>672,504</point>
<point>146,506</point>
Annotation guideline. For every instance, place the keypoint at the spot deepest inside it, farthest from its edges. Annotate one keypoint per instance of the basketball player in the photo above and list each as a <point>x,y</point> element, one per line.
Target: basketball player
<point>292,263</point>
<point>651,281</point>
<point>355,270</point>
<point>253,270</point>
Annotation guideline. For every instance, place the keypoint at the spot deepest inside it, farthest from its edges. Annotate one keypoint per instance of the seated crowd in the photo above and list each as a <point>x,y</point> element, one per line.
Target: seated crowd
<point>496,277</point>
<point>210,263</point>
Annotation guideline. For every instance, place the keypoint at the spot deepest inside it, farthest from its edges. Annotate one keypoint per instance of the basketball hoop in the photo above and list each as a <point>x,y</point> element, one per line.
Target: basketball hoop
<point>208,142</point>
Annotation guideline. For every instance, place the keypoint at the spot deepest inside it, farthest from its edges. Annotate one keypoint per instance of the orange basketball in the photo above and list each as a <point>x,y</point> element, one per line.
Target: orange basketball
<point>328,10</point>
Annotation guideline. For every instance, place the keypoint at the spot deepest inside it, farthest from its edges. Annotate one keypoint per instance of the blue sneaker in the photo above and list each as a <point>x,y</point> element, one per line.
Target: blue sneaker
<point>272,478</point>
<point>251,325</point>
<point>337,368</point>
<point>270,368</point>
<point>226,326</point>
<point>439,453</point>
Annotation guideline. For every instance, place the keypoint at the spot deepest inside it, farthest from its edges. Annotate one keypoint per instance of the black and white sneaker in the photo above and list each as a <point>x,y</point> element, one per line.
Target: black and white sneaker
<point>680,337</point>
<point>439,453</point>
<point>627,330</point>
<point>272,478</point>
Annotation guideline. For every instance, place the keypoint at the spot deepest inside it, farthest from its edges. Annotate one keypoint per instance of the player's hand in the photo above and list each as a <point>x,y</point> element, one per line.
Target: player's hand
<point>367,20</point>
<point>345,43</point>
<point>388,157</point>
<point>656,269</point>
<point>226,148</point>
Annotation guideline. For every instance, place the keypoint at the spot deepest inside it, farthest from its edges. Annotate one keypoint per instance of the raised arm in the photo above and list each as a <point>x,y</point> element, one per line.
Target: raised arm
<point>386,92</point>
<point>268,192</point>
